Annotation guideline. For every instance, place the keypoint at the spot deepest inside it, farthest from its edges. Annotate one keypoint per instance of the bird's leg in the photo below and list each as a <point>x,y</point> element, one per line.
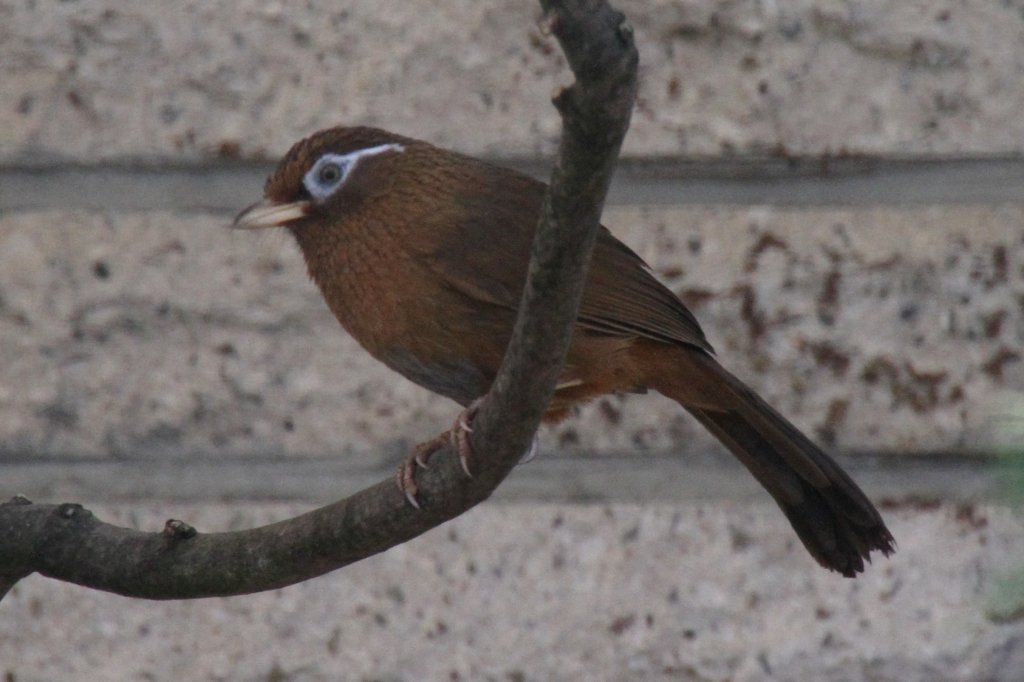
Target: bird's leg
<point>458,436</point>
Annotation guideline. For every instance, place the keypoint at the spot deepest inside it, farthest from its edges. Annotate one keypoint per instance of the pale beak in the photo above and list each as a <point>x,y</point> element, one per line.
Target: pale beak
<point>269,213</point>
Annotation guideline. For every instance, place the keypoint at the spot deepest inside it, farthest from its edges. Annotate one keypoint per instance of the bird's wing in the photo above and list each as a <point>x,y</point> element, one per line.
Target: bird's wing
<point>485,254</point>
<point>622,296</point>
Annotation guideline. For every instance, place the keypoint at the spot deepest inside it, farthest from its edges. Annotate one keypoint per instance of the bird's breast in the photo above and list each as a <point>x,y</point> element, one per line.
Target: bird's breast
<point>403,314</point>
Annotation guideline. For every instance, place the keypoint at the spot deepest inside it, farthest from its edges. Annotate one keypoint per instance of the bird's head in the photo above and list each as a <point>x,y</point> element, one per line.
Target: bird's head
<point>326,176</point>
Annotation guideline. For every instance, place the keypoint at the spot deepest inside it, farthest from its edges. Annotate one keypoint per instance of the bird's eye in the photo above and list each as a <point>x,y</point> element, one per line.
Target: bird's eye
<point>329,174</point>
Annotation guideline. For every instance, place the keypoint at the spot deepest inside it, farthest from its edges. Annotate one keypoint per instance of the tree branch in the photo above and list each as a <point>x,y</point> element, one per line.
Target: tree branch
<point>68,543</point>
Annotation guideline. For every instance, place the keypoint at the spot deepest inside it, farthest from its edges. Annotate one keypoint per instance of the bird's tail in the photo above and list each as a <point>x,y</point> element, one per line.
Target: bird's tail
<point>832,516</point>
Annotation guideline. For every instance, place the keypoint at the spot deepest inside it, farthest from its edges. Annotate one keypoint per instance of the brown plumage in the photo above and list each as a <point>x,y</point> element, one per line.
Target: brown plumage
<point>421,254</point>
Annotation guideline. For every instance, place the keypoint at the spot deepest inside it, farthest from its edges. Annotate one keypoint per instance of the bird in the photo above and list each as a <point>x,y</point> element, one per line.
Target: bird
<point>421,254</point>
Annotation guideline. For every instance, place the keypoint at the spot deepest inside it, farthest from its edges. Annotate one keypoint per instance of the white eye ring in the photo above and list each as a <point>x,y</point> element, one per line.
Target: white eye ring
<point>332,170</point>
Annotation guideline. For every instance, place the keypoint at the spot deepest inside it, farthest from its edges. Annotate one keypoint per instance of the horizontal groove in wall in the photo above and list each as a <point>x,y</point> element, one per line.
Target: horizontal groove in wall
<point>227,187</point>
<point>663,478</point>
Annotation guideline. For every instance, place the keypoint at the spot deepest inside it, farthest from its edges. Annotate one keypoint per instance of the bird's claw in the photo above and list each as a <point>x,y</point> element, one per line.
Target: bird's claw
<point>460,436</point>
<point>462,421</point>
<point>532,451</point>
<point>405,477</point>
<point>411,499</point>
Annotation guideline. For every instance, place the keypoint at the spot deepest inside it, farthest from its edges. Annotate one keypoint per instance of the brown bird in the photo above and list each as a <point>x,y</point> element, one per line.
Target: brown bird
<point>421,253</point>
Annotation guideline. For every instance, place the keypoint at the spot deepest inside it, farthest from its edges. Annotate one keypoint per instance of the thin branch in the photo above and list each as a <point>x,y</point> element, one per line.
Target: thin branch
<point>69,543</point>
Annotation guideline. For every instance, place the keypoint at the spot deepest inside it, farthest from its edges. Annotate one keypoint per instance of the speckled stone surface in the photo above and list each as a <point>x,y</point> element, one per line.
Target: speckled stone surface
<point>155,335</point>
<point>895,330</point>
<point>190,79</point>
<point>715,592</point>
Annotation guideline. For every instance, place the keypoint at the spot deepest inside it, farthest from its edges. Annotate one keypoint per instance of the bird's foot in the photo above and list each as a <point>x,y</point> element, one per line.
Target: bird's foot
<point>420,456</point>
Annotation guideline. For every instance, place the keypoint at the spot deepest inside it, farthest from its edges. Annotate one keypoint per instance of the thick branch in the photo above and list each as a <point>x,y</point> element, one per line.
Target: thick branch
<point>68,543</point>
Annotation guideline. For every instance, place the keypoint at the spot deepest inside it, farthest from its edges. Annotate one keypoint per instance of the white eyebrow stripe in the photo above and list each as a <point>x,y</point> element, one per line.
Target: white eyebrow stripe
<point>370,151</point>
<point>349,161</point>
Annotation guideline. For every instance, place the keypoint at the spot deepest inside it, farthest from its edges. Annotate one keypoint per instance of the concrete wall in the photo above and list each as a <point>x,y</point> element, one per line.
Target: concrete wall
<point>189,79</point>
<point>878,301</point>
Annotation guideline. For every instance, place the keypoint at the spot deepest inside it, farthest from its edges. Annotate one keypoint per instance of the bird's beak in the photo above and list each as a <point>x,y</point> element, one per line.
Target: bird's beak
<point>269,213</point>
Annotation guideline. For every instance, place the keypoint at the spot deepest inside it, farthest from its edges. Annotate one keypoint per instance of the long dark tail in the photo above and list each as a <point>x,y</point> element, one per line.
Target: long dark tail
<point>832,516</point>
